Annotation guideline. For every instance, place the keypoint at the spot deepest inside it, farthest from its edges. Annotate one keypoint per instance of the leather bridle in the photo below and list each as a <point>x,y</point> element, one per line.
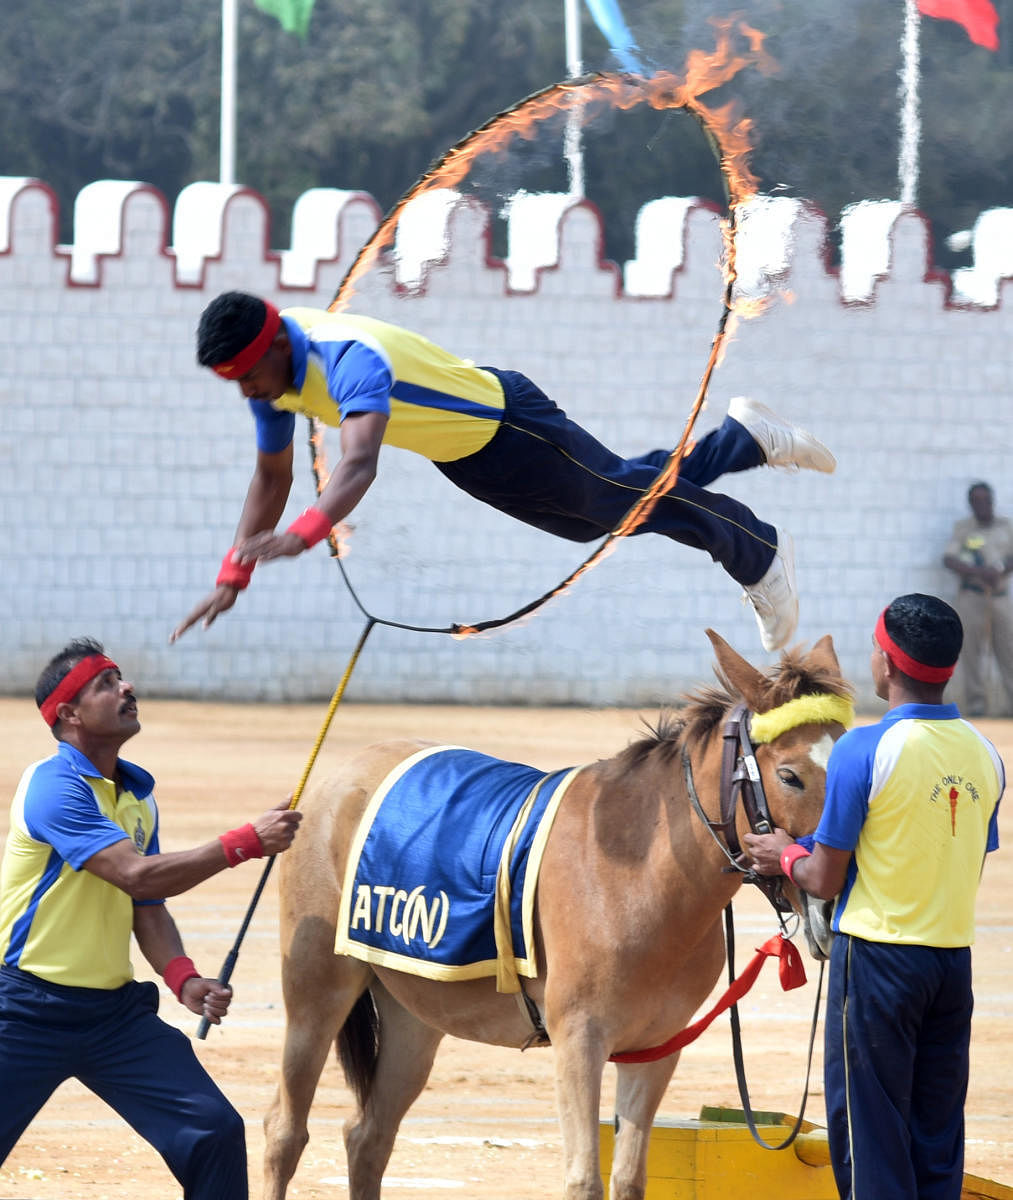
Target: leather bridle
<point>741,783</point>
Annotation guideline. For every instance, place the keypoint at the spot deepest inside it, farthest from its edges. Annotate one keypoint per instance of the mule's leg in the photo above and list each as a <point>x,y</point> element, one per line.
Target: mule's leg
<point>320,989</point>
<point>639,1090</point>
<point>641,1086</point>
<point>407,1048</point>
<point>579,1055</point>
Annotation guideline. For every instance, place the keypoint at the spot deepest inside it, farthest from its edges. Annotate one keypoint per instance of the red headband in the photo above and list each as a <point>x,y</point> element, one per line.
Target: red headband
<point>910,666</point>
<point>240,363</point>
<point>69,686</point>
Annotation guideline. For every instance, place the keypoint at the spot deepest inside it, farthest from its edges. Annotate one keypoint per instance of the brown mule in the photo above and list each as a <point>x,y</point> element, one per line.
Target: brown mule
<point>628,932</point>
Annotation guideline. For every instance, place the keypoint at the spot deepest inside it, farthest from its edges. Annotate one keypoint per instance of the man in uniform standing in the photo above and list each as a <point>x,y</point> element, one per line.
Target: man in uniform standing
<point>910,813</point>
<point>980,554</point>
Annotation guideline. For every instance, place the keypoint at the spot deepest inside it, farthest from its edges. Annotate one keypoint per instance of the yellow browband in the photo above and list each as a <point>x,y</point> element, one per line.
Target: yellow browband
<point>806,710</point>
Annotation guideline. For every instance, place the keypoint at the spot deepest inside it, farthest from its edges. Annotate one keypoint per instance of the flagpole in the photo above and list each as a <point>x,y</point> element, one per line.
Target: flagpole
<point>910,128</point>
<point>572,149</point>
<point>227,137</point>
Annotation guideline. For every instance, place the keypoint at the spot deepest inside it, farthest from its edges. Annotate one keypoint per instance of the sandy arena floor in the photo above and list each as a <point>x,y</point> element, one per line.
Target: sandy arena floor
<point>485,1127</point>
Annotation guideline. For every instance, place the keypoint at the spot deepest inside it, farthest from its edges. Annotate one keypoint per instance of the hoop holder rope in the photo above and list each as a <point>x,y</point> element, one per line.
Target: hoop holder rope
<point>225,974</point>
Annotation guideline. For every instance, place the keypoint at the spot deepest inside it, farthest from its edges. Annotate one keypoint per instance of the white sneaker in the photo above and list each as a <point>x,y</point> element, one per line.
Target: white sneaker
<point>783,444</point>
<point>774,598</point>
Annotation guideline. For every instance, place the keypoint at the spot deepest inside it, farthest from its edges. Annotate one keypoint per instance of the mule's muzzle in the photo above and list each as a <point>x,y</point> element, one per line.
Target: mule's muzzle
<point>816,916</point>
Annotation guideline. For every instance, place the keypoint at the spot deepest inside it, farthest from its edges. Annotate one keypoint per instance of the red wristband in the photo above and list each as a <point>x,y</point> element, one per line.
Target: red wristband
<point>312,526</point>
<point>177,971</point>
<point>236,575</point>
<point>241,844</point>
<point>790,856</point>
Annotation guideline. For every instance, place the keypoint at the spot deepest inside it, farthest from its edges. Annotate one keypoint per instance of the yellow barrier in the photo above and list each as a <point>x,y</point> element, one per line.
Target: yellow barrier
<point>697,1160</point>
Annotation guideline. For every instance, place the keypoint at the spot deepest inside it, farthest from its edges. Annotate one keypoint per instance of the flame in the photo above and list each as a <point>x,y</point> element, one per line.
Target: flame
<point>726,127</point>
<point>729,134</point>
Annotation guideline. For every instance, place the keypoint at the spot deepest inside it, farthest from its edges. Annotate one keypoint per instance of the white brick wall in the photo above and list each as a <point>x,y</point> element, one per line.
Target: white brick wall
<point>123,465</point>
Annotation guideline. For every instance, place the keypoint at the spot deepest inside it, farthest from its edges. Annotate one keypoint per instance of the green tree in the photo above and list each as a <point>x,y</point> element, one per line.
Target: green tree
<point>98,89</point>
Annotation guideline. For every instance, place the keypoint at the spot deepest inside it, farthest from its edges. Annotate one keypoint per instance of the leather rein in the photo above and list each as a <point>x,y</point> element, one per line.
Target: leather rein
<point>741,783</point>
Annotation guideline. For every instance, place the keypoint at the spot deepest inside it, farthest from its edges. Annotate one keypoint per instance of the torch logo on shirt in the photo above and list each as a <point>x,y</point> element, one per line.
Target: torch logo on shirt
<point>953,787</point>
<point>139,835</point>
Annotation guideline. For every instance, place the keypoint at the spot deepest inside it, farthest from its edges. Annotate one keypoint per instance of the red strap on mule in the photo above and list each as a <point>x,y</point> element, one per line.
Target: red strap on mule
<point>790,972</point>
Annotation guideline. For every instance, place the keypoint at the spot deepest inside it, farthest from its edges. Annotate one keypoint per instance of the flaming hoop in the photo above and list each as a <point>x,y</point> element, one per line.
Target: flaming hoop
<point>727,133</point>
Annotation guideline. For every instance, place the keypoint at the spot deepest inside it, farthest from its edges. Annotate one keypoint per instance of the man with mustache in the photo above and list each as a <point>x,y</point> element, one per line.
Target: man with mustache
<point>82,870</point>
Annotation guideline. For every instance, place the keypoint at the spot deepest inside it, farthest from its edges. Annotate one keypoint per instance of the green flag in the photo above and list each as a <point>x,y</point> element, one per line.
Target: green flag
<point>294,15</point>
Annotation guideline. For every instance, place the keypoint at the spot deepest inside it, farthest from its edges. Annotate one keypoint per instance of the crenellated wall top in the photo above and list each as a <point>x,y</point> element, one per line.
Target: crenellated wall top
<point>781,242</point>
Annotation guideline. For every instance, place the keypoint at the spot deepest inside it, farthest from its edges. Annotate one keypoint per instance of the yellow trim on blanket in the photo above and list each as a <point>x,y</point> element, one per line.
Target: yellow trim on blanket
<point>507,974</point>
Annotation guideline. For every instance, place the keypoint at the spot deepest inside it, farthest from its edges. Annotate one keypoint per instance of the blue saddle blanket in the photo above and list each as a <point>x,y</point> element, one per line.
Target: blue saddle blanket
<point>442,872</point>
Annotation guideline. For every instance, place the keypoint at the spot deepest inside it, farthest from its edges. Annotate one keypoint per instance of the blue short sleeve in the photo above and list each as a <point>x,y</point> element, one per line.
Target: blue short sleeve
<point>275,427</point>
<point>360,380</point>
<point>993,831</point>
<point>849,777</point>
<point>62,813</point>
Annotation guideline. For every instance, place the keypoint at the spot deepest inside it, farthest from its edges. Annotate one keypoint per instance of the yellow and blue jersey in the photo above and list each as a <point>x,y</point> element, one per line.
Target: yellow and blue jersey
<point>915,798</point>
<point>442,407</point>
<point>57,921</point>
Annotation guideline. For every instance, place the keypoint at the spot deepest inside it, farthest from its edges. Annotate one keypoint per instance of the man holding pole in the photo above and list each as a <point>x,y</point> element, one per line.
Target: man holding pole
<point>82,871</point>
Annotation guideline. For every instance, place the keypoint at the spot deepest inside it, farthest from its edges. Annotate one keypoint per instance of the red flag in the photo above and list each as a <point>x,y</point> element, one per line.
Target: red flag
<point>978,17</point>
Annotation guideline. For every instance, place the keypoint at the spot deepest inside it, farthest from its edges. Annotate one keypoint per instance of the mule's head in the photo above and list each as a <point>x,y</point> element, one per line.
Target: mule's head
<point>797,711</point>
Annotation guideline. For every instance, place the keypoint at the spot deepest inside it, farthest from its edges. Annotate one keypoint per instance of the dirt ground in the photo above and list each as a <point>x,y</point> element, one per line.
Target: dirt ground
<point>485,1126</point>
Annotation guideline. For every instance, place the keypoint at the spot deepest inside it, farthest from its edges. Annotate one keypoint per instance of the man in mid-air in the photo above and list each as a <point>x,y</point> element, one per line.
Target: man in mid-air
<point>491,432</point>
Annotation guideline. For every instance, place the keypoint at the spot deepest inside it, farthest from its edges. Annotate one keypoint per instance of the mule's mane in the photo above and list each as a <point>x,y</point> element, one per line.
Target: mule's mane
<point>703,710</point>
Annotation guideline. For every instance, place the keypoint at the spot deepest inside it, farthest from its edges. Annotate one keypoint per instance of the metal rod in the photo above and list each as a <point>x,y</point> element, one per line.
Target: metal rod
<point>227,134</point>
<point>225,974</point>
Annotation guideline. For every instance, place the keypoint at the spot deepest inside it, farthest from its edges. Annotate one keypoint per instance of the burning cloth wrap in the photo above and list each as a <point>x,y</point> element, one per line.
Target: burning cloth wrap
<point>441,877</point>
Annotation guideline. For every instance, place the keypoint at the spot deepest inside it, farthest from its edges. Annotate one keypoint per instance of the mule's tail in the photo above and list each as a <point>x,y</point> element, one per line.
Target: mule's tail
<point>358,1047</point>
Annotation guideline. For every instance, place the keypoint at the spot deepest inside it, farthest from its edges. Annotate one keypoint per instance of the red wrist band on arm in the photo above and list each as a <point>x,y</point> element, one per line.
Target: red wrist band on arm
<point>241,845</point>
<point>312,526</point>
<point>177,971</point>
<point>790,856</point>
<point>236,575</point>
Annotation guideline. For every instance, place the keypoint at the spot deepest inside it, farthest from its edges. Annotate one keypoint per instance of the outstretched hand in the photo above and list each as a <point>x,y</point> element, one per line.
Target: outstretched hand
<point>219,601</point>
<point>263,546</point>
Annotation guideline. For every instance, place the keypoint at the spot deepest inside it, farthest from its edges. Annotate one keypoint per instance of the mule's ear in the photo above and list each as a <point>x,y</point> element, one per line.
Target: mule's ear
<point>750,683</point>
<point>824,655</point>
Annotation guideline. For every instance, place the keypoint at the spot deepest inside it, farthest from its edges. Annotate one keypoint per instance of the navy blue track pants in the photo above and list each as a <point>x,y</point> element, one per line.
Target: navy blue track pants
<point>545,470</point>
<point>898,1030</point>
<point>116,1045</point>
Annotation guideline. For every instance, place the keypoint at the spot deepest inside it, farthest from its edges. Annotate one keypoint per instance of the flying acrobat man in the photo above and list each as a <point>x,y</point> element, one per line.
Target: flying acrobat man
<point>491,432</point>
